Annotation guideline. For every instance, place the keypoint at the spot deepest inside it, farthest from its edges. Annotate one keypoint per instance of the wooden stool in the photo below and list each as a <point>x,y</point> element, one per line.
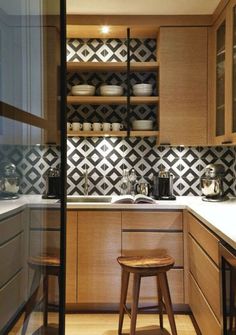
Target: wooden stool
<point>43,265</point>
<point>145,267</point>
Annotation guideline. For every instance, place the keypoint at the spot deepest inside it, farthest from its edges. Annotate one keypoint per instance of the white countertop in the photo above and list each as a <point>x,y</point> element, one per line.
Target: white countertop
<point>219,217</point>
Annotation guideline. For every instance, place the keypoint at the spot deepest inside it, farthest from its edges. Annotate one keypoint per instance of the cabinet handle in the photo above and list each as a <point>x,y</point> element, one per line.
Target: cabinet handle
<point>165,143</point>
<point>226,142</point>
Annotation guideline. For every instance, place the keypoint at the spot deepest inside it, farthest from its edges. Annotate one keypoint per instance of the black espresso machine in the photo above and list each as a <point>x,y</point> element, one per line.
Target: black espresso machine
<point>163,186</point>
<point>53,187</point>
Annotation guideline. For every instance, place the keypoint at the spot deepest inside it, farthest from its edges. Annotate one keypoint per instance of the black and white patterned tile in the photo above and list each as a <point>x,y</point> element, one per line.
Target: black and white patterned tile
<point>112,155</point>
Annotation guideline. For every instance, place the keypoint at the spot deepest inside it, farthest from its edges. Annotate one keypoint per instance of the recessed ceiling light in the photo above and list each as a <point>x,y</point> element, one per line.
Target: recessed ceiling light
<point>105,29</point>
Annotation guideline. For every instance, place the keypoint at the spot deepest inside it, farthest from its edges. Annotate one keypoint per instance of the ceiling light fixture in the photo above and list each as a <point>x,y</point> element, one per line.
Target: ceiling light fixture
<point>105,29</point>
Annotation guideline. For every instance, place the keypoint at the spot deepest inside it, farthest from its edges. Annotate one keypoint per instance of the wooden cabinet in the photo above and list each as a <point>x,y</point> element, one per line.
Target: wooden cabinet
<point>155,233</point>
<point>101,236</point>
<point>204,276</point>
<point>99,244</point>
<point>222,61</point>
<point>13,248</point>
<point>183,85</point>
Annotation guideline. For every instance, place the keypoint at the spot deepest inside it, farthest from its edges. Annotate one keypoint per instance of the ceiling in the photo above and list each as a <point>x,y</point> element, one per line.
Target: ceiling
<point>141,7</point>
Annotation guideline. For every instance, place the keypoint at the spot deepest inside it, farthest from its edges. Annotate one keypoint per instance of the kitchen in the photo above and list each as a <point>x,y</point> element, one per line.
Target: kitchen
<point>177,55</point>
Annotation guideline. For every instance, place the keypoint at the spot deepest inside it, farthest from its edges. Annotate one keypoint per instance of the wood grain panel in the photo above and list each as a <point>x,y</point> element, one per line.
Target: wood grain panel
<point>203,314</point>
<point>152,220</point>
<point>148,290</point>
<point>47,218</point>
<point>206,274</point>
<point>208,241</point>
<point>71,257</point>
<point>11,258</point>
<point>44,242</point>
<point>153,244</point>
<point>10,227</point>
<point>183,85</point>
<point>99,244</point>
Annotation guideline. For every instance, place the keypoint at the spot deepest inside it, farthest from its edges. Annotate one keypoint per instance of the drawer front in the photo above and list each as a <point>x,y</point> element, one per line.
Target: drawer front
<point>11,258</point>
<point>202,312</point>
<point>148,289</point>
<point>206,274</point>
<point>152,220</point>
<point>44,242</point>
<point>204,237</point>
<point>11,298</point>
<point>48,218</point>
<point>10,227</point>
<point>153,244</point>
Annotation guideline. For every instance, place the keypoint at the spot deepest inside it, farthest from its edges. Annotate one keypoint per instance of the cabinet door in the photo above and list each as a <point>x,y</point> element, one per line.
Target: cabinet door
<point>183,85</point>
<point>99,244</point>
<point>71,257</point>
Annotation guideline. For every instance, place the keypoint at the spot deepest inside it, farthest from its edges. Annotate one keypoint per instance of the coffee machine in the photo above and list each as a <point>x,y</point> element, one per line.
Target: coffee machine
<point>212,183</point>
<point>163,186</point>
<point>52,177</point>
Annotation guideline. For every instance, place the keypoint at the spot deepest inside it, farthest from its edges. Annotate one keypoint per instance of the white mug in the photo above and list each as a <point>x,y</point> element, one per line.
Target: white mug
<point>87,126</point>
<point>106,126</point>
<point>116,126</point>
<point>68,126</point>
<point>76,126</point>
<point>97,126</point>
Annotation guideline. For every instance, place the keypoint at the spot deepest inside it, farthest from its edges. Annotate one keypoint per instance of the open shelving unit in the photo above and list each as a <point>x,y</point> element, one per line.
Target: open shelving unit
<point>129,66</point>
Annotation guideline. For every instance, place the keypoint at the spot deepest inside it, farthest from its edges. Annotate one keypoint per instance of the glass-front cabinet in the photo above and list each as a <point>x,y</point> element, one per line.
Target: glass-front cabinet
<point>223,85</point>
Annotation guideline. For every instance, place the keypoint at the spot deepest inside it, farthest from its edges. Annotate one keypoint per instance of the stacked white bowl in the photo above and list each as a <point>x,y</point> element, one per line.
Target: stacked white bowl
<point>142,125</point>
<point>111,90</point>
<point>83,90</point>
<point>142,89</point>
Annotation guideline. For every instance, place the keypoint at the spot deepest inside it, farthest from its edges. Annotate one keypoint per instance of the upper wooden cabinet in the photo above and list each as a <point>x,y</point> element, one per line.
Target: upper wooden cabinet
<point>183,85</point>
<point>222,87</point>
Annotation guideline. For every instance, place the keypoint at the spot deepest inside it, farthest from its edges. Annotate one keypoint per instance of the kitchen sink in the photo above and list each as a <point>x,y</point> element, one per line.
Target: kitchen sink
<point>89,199</point>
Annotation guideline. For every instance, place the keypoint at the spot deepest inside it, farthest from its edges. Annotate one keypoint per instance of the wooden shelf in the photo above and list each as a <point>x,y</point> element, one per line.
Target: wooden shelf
<point>133,133</point>
<point>98,100</point>
<point>111,66</point>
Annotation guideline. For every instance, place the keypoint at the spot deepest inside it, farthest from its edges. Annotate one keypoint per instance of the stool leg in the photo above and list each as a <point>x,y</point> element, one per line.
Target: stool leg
<point>123,296</point>
<point>166,293</point>
<point>160,303</point>
<point>45,294</point>
<point>134,307</point>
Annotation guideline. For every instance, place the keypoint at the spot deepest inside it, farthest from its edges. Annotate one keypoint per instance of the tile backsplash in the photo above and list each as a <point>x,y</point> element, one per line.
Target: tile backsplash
<point>105,159</point>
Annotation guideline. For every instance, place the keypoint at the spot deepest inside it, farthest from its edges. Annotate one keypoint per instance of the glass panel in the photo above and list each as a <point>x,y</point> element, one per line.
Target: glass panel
<point>30,70</point>
<point>234,71</point>
<point>220,81</point>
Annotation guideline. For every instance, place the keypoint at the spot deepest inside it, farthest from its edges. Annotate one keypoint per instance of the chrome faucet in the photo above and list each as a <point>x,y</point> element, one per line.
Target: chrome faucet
<point>86,184</point>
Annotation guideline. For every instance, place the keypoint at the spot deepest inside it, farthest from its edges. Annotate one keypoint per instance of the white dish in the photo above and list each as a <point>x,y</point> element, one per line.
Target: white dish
<point>142,125</point>
<point>142,89</point>
<point>142,86</point>
<point>114,90</point>
<point>83,90</point>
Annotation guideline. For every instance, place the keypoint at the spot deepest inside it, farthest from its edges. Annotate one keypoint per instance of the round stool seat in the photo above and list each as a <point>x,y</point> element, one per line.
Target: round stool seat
<point>44,260</point>
<point>146,261</point>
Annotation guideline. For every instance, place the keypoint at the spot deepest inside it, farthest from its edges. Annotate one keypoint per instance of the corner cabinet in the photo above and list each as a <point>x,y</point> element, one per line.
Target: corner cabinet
<point>183,85</point>
<point>222,89</point>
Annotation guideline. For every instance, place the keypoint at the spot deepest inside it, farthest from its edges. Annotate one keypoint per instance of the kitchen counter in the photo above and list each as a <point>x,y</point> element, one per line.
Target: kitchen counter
<point>219,217</point>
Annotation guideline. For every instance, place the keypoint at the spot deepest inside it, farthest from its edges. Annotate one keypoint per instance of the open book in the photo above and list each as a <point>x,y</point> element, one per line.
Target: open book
<point>129,199</point>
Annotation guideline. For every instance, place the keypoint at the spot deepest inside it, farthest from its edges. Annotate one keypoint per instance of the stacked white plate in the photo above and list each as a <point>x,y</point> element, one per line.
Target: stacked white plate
<point>142,125</point>
<point>111,90</point>
<point>142,89</point>
<point>83,90</point>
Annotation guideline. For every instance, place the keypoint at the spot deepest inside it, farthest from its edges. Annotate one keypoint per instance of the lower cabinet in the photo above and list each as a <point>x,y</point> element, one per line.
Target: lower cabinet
<point>96,238</point>
<point>204,277</point>
<point>13,276</point>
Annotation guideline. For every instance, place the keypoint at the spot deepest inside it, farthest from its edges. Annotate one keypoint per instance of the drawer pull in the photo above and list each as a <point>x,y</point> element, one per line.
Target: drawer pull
<point>226,142</point>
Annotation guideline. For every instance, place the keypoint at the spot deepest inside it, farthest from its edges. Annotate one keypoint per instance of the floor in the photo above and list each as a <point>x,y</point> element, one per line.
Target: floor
<point>106,324</point>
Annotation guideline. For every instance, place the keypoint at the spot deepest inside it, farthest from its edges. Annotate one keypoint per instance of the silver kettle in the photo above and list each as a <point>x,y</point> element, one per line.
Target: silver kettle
<point>9,181</point>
